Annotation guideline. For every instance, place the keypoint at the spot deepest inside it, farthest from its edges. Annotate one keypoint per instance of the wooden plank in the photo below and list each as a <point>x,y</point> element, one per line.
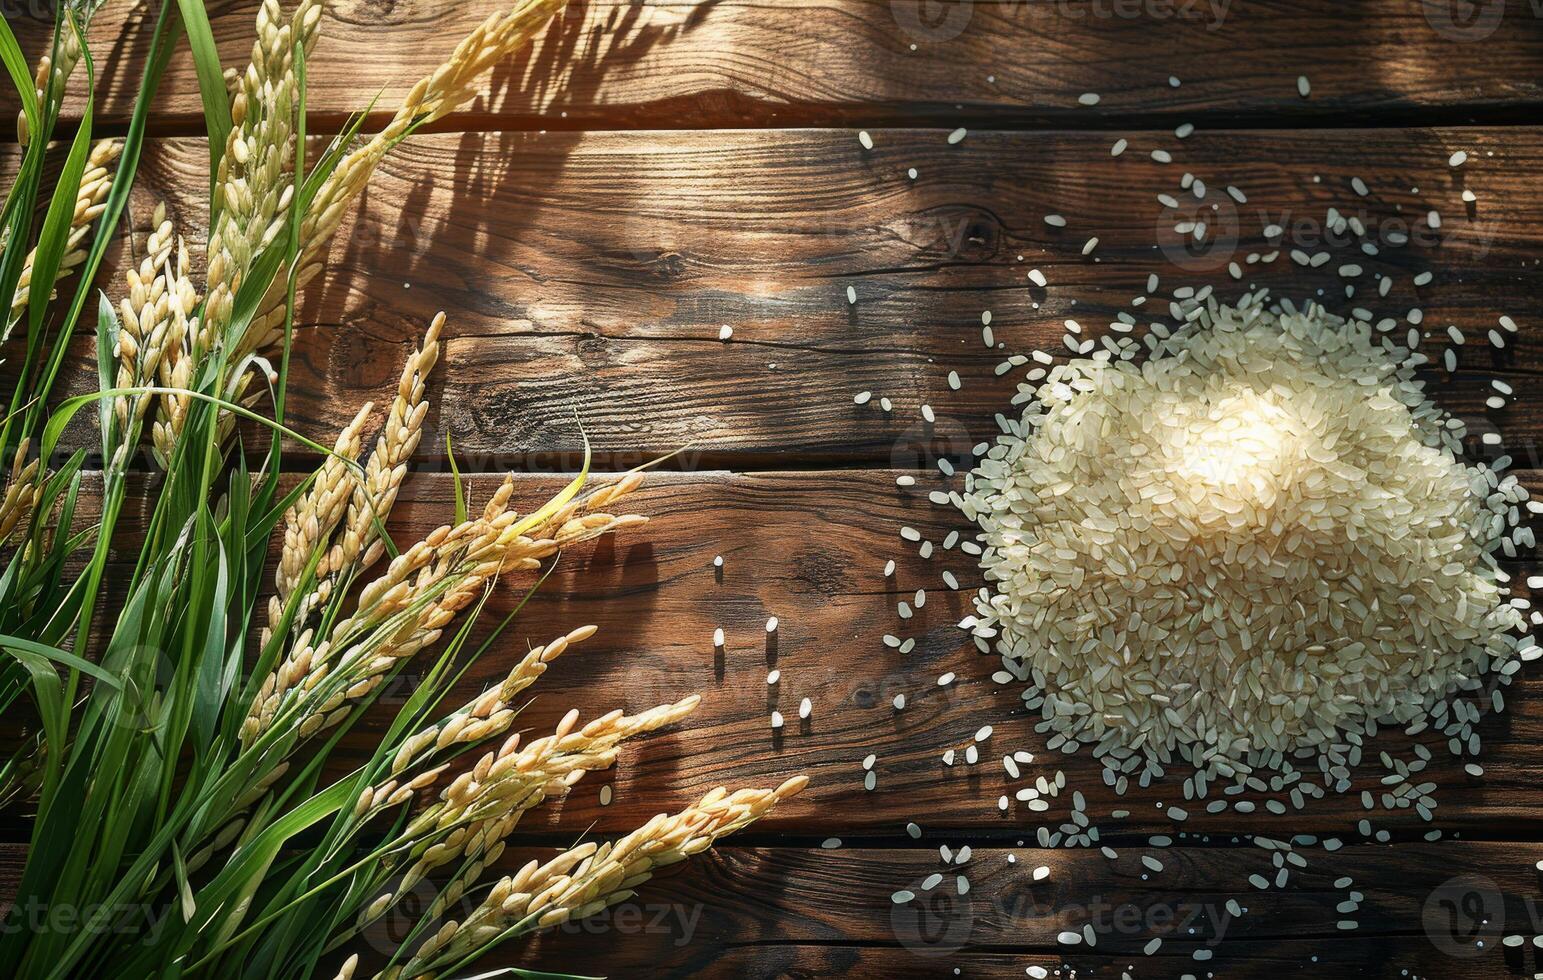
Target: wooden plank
<point>784,911</point>
<point>589,275</point>
<point>734,63</point>
<point>810,549</point>
<point>780,911</point>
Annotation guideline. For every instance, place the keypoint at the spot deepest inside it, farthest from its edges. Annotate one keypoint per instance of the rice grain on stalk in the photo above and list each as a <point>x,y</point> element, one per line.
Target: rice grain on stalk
<point>438,791</point>
<point>435,96</point>
<point>95,184</point>
<point>586,879</point>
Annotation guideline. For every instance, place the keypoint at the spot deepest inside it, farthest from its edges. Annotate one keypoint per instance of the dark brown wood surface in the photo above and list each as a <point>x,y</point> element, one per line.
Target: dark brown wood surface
<point>655,170</point>
<point>590,273</point>
<point>757,63</point>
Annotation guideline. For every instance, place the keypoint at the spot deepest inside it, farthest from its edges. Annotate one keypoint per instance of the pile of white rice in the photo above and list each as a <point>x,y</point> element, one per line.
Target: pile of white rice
<point>1248,542</point>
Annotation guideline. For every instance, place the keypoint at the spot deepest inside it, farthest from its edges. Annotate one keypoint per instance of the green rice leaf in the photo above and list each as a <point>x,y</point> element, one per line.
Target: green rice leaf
<point>211,83</point>
<point>21,78</point>
<point>54,237</point>
<point>184,889</point>
<point>455,476</point>
<point>107,328</point>
<point>20,647</point>
<point>161,48</point>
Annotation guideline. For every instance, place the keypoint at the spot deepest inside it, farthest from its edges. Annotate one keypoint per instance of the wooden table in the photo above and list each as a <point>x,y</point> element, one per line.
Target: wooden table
<point>655,170</point>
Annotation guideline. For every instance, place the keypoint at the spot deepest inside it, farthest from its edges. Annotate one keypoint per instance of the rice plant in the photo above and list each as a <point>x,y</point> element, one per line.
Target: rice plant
<point>175,776</point>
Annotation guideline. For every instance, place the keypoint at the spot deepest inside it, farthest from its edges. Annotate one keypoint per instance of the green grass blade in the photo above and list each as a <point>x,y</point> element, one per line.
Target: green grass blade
<point>19,646</point>
<point>21,78</point>
<point>211,83</point>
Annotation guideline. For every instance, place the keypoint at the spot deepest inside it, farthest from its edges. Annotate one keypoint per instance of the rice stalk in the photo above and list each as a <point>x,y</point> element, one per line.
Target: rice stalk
<point>21,492</point>
<point>586,879</point>
<point>252,193</point>
<point>197,792</point>
<point>95,184</point>
<point>435,96</point>
<point>54,68</point>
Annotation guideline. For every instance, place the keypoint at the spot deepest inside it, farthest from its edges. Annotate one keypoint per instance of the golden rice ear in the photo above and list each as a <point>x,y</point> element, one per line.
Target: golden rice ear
<point>438,94</point>
<point>95,185</point>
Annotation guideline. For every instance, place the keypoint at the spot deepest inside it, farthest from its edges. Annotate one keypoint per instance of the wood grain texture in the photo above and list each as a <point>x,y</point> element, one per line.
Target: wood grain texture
<point>742,63</point>
<point>589,274</point>
<point>784,912</point>
<point>810,548</point>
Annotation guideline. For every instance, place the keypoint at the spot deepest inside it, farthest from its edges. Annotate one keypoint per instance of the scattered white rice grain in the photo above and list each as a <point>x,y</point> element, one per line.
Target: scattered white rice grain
<point>946,679</point>
<point>1162,156</point>
<point>773,677</point>
<point>1088,98</point>
<point>776,719</point>
<point>1055,221</point>
<point>1037,277</point>
<point>1184,130</point>
<point>862,397</point>
<point>718,637</point>
<point>1090,245</point>
<point>605,796</point>
<point>1304,87</point>
<point>771,625</point>
<point>957,136</point>
<point>1118,147</point>
<point>1457,159</point>
<point>851,295</point>
<point>725,332</point>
